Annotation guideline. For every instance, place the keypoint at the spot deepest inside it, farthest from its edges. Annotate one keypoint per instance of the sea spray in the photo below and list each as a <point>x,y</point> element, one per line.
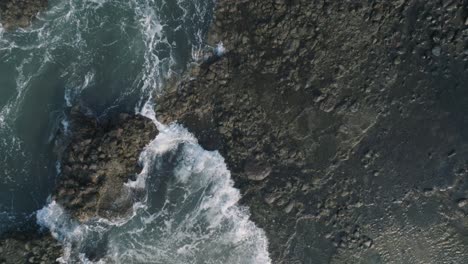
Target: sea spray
<point>54,218</point>
<point>220,50</point>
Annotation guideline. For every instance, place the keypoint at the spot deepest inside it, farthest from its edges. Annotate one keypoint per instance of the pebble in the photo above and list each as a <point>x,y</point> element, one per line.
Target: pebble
<point>289,208</point>
<point>368,244</point>
<point>462,203</point>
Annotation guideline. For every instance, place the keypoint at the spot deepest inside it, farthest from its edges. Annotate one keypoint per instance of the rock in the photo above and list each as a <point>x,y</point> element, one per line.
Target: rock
<point>436,51</point>
<point>289,208</point>
<point>368,244</point>
<point>462,203</point>
<point>351,110</point>
<point>257,172</point>
<point>14,14</point>
<point>99,184</point>
<point>13,248</point>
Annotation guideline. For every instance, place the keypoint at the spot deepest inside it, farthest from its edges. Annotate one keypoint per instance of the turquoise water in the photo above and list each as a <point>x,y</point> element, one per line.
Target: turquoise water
<point>112,56</point>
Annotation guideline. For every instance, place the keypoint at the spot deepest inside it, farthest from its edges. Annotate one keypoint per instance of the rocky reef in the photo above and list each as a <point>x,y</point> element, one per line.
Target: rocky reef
<point>99,159</point>
<point>344,124</point>
<point>19,13</point>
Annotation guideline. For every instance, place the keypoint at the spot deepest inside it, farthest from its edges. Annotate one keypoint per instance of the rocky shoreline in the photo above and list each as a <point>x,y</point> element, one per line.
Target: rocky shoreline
<point>343,124</point>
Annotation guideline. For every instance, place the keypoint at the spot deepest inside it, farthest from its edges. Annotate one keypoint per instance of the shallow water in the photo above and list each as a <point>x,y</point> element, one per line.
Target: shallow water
<point>112,56</point>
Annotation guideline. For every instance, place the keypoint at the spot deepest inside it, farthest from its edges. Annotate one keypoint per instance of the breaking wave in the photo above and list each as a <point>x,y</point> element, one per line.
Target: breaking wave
<point>113,56</point>
<point>110,56</point>
<point>190,213</point>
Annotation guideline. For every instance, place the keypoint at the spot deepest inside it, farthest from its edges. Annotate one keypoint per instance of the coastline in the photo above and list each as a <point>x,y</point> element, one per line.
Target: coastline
<point>322,111</point>
<point>339,122</point>
<point>97,158</point>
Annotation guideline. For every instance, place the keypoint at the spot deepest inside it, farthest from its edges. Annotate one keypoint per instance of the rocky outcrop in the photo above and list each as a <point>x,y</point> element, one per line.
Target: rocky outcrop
<point>343,123</point>
<point>100,158</point>
<point>29,248</point>
<point>97,158</point>
<point>19,13</point>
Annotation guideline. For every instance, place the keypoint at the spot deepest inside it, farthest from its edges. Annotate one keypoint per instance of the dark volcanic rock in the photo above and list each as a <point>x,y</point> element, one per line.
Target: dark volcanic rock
<point>29,248</point>
<point>344,123</point>
<point>98,161</point>
<point>19,13</point>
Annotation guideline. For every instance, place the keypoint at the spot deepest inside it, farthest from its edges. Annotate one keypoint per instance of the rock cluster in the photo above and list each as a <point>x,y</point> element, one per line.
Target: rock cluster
<point>98,161</point>
<point>30,248</point>
<point>337,116</point>
<point>19,13</point>
<point>97,158</point>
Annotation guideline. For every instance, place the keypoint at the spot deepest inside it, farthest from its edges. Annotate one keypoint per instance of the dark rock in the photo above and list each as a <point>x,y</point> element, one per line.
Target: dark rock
<point>19,13</point>
<point>256,172</point>
<point>347,97</point>
<point>30,247</point>
<point>98,187</point>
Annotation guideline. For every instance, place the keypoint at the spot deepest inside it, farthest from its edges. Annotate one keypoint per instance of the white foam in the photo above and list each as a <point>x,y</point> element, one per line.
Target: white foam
<point>169,138</point>
<point>2,120</point>
<point>62,228</point>
<point>65,125</point>
<point>152,29</point>
<point>187,231</point>
<point>73,91</point>
<point>220,50</point>
<point>190,211</point>
<point>199,221</point>
<point>53,217</point>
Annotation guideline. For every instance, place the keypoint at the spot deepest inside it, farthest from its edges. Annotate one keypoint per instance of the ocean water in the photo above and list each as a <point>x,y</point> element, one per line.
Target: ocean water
<point>112,56</point>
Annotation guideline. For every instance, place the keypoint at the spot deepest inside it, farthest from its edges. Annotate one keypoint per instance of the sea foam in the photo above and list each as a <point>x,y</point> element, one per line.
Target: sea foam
<point>190,213</point>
